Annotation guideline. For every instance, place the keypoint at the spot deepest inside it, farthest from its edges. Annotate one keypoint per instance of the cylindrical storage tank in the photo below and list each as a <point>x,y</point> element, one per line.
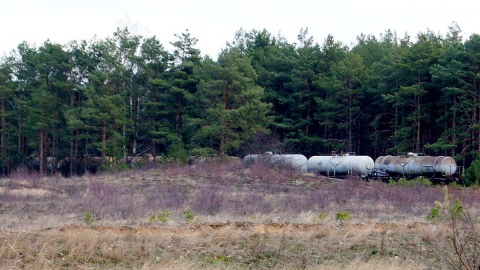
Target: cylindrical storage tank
<point>386,163</point>
<point>340,165</point>
<point>248,160</point>
<point>394,164</point>
<point>360,164</point>
<point>445,165</point>
<point>295,161</point>
<point>320,164</point>
<point>412,164</point>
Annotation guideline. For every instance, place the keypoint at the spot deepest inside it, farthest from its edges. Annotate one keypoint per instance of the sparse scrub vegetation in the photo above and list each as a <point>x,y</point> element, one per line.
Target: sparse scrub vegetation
<point>461,250</point>
<point>188,215</point>
<point>322,216</point>
<point>259,218</point>
<point>343,216</point>
<point>89,219</point>
<point>162,217</point>
<point>417,181</point>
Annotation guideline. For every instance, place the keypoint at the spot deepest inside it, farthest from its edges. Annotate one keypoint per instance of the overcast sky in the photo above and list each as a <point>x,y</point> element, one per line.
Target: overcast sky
<point>214,22</point>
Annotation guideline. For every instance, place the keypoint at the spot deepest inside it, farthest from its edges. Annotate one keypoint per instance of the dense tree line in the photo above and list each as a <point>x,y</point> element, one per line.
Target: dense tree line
<point>126,95</point>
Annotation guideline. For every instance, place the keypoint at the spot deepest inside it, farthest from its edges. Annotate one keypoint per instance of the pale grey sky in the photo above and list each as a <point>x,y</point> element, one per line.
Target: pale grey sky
<point>214,22</point>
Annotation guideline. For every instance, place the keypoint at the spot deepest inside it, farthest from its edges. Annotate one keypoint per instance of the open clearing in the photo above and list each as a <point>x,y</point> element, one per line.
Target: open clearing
<point>220,217</point>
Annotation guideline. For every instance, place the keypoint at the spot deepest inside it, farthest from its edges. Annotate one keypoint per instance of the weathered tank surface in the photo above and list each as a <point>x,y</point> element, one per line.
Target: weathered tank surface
<point>295,161</point>
<point>337,165</point>
<point>417,165</point>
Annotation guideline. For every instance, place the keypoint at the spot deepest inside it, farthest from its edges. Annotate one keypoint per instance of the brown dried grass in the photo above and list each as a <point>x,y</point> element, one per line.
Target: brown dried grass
<point>42,227</point>
<point>216,246</point>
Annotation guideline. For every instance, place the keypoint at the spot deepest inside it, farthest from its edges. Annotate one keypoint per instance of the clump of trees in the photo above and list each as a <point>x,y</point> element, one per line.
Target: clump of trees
<point>126,95</point>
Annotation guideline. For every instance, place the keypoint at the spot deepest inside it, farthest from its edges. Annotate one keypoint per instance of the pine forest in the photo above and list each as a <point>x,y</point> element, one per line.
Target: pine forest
<point>127,96</point>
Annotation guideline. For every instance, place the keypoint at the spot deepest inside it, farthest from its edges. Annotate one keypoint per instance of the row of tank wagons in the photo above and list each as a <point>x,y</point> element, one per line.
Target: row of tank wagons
<point>408,165</point>
<point>334,165</point>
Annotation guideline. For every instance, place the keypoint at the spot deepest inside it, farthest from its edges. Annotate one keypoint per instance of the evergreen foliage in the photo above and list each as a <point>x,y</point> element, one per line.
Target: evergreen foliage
<point>126,96</point>
<point>472,173</point>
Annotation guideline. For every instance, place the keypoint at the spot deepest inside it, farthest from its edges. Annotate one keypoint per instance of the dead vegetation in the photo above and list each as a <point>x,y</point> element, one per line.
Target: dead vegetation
<point>218,245</point>
<point>237,219</point>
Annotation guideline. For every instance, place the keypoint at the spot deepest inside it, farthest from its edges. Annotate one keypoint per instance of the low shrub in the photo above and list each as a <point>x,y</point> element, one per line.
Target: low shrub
<point>462,250</point>
<point>89,218</point>
<point>162,217</point>
<point>188,215</point>
<point>418,181</point>
<point>322,216</point>
<point>343,216</point>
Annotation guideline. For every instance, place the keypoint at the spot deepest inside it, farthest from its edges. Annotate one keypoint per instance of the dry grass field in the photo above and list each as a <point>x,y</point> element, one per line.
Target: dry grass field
<point>222,216</point>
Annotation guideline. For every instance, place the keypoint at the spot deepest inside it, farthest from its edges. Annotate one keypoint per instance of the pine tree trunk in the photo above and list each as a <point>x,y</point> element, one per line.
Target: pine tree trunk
<point>75,154</point>
<point>350,118</point>
<point>56,135</point>
<point>42,156</point>
<point>85,160</point>
<point>104,140</point>
<point>20,139</point>
<point>72,99</point>
<point>477,115</point>
<point>418,131</point>
<point>225,108</point>
<point>76,146</point>
<point>475,133</point>
<point>4,138</point>
<point>179,113</point>
<point>454,127</point>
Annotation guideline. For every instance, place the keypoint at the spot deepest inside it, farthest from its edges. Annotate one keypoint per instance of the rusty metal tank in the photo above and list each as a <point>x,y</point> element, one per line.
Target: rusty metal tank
<point>337,165</point>
<point>295,161</point>
<point>417,165</point>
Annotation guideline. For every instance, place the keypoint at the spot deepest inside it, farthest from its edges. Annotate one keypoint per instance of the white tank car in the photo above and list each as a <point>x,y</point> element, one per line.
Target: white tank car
<point>296,161</point>
<point>339,165</point>
<point>417,165</point>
